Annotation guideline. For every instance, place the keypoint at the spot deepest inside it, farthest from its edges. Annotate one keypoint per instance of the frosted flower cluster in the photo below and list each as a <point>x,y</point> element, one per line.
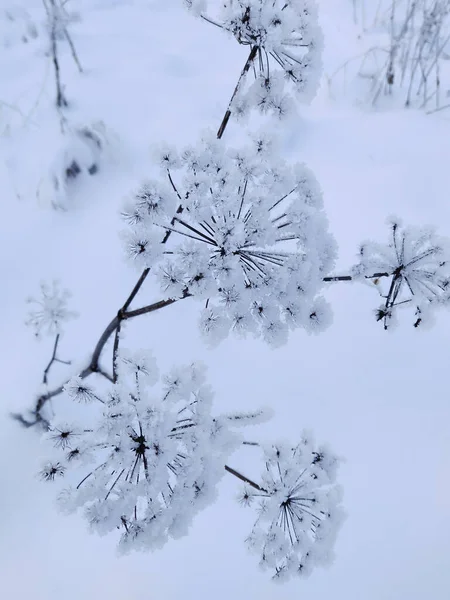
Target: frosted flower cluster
<point>49,311</point>
<point>415,263</point>
<point>150,461</point>
<point>299,510</point>
<point>241,230</point>
<point>285,44</point>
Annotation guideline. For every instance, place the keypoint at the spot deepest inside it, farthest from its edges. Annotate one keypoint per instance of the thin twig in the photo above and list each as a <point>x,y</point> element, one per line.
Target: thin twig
<point>351,278</point>
<point>73,51</point>
<point>116,345</point>
<point>53,359</point>
<point>244,479</point>
<point>226,118</point>
<point>51,13</point>
<point>93,366</point>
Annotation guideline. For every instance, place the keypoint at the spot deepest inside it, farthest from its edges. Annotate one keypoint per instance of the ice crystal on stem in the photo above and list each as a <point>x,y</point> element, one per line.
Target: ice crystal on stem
<point>299,509</point>
<point>249,238</point>
<point>415,263</point>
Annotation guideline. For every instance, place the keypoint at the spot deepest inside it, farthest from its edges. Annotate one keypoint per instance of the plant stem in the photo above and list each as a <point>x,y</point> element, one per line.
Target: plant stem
<point>53,359</point>
<point>244,479</point>
<point>351,278</point>
<point>52,16</point>
<point>244,72</point>
<point>93,366</point>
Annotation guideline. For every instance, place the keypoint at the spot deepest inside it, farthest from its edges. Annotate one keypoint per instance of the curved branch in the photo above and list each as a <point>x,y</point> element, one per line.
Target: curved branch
<point>93,366</point>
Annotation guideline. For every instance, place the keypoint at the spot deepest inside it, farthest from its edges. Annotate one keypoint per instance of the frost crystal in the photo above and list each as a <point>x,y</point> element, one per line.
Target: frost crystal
<point>154,456</point>
<point>50,310</point>
<point>416,265</point>
<point>241,230</point>
<point>285,44</point>
<point>299,509</point>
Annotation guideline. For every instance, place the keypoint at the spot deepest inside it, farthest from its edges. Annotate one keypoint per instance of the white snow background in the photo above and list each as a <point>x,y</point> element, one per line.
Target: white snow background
<point>153,73</point>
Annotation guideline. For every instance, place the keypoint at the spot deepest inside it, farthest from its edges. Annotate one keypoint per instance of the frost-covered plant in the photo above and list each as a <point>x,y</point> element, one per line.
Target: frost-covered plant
<point>49,310</point>
<point>407,53</point>
<point>246,234</point>
<point>416,265</point>
<point>285,45</point>
<point>249,237</point>
<point>299,510</point>
<point>81,153</point>
<point>153,455</point>
<point>58,20</point>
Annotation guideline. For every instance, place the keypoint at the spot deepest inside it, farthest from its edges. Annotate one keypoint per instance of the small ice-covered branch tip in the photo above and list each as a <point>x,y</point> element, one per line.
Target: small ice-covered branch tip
<point>285,43</point>
<point>49,311</point>
<point>299,509</point>
<point>58,20</point>
<point>418,265</point>
<point>249,238</point>
<point>152,456</point>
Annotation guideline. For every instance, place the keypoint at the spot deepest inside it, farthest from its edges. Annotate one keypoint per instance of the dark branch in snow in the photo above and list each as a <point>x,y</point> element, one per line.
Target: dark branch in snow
<point>248,64</point>
<point>53,359</point>
<point>244,478</point>
<point>336,278</point>
<point>94,366</point>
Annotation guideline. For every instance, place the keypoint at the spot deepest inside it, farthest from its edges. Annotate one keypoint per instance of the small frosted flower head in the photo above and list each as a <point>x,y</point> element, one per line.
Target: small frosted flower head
<point>299,509</point>
<point>80,391</point>
<point>140,365</point>
<point>142,246</point>
<point>50,310</point>
<point>285,43</point>
<point>415,263</point>
<point>63,435</point>
<point>51,471</point>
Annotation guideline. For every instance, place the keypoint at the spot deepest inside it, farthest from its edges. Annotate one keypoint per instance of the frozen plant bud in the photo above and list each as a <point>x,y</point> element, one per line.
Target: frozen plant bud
<point>51,471</point>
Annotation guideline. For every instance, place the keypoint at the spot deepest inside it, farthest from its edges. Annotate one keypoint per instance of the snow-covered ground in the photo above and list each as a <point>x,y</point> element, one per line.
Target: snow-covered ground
<point>380,399</point>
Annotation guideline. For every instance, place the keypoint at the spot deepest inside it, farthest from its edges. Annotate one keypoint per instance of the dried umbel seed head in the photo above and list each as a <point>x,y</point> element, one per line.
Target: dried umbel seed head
<point>242,231</point>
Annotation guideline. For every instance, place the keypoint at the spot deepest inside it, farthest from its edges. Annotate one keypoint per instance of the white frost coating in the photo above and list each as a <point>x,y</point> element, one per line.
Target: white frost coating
<point>154,456</point>
<point>288,43</point>
<point>151,461</point>
<point>50,310</point>
<point>249,236</point>
<point>16,27</point>
<point>415,266</point>
<point>299,510</point>
<point>82,152</point>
